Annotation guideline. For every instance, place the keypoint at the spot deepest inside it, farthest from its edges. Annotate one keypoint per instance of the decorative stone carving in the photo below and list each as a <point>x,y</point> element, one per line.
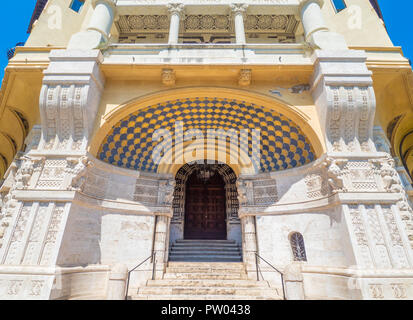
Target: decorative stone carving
<point>79,174</point>
<point>279,23</point>
<point>146,191</point>
<point>245,77</point>
<point>207,22</point>
<point>135,23</point>
<point>346,111</point>
<point>335,174</point>
<point>14,287</point>
<point>245,192</point>
<point>399,290</point>
<point>68,107</point>
<point>239,8</point>
<point>360,235</point>
<point>176,8</point>
<point>376,291</point>
<point>24,173</point>
<point>52,234</point>
<point>316,186</point>
<point>390,177</point>
<point>8,209</point>
<point>166,192</point>
<point>265,192</point>
<point>168,77</point>
<point>36,287</point>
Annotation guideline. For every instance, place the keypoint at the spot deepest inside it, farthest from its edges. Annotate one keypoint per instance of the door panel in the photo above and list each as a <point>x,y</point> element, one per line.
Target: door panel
<point>205,209</point>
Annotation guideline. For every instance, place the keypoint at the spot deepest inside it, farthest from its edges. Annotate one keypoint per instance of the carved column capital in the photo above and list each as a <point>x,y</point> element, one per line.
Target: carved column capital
<point>176,8</point>
<point>238,8</point>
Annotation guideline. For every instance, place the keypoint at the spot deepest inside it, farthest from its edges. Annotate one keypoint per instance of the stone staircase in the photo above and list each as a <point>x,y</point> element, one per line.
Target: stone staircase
<point>206,270</point>
<point>205,251</point>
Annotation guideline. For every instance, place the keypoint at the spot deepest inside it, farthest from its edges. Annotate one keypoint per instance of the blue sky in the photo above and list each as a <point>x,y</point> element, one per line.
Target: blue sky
<point>16,17</point>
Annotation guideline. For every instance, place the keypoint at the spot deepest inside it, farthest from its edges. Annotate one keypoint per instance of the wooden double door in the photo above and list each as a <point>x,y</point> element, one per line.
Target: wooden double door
<point>205,208</point>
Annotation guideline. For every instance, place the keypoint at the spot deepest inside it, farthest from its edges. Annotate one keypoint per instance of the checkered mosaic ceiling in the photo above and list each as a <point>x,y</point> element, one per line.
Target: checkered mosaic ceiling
<point>129,144</point>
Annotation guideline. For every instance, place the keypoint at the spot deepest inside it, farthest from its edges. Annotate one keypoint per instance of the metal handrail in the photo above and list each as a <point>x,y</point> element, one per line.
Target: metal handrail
<point>257,256</point>
<point>129,272</point>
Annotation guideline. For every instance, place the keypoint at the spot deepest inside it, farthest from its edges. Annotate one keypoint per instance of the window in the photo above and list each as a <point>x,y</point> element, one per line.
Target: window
<point>339,5</point>
<point>297,246</point>
<point>76,5</point>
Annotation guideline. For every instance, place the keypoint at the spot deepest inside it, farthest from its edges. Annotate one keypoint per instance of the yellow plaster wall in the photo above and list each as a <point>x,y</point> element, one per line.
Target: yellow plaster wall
<point>44,32</point>
<point>372,32</point>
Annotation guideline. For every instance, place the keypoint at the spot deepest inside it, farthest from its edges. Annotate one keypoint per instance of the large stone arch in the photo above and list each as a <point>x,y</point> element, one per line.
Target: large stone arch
<point>146,106</point>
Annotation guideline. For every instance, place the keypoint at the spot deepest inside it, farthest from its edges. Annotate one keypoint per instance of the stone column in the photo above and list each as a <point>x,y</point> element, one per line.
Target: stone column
<point>249,246</point>
<point>117,282</point>
<point>315,29</point>
<point>176,12</point>
<point>239,10</point>
<point>160,245</point>
<point>97,33</point>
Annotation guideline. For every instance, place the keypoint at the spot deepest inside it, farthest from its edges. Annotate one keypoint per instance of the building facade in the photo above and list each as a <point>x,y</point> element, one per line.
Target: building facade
<point>260,149</point>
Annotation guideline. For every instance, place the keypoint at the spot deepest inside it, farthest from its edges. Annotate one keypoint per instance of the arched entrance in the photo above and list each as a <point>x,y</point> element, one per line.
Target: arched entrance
<point>205,207</point>
<point>205,203</point>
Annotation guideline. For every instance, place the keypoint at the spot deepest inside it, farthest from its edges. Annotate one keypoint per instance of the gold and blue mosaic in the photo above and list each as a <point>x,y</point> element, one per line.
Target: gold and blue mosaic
<point>129,144</point>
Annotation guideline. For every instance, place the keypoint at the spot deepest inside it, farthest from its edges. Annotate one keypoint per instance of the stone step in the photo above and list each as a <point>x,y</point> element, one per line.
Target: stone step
<point>204,297</point>
<point>204,241</point>
<point>208,283</point>
<point>200,248</point>
<point>205,258</point>
<point>207,275</point>
<point>205,267</point>
<point>203,245</point>
<point>208,291</point>
<point>205,253</point>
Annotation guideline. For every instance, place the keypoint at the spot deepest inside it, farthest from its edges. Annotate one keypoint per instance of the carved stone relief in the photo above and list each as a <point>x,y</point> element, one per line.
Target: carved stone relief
<point>316,185</point>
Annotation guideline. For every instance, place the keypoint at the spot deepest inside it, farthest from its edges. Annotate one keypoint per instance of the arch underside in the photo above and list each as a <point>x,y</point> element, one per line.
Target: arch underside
<point>130,144</point>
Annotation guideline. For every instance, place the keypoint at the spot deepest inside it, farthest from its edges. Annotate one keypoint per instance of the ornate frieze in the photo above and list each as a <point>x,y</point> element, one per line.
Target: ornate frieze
<point>146,191</point>
<point>273,23</point>
<point>135,23</point>
<point>204,23</point>
<point>265,192</point>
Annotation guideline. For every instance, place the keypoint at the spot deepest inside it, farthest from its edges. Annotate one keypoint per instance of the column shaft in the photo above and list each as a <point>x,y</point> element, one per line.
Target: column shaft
<point>174,29</point>
<point>312,18</point>
<point>102,18</point>
<point>239,28</point>
<point>176,11</point>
